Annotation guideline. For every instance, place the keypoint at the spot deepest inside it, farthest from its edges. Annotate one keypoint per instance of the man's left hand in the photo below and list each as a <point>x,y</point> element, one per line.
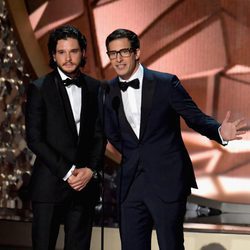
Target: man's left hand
<point>232,130</point>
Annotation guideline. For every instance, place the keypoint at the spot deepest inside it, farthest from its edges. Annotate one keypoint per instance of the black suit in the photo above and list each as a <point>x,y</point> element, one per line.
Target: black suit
<point>52,136</point>
<point>156,168</point>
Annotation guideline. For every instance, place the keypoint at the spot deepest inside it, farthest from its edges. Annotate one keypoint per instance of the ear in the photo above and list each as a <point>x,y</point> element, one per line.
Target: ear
<point>54,58</point>
<point>137,54</point>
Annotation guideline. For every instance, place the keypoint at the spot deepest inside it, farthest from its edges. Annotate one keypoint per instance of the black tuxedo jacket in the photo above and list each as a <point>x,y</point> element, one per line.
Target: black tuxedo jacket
<point>159,151</point>
<point>52,136</point>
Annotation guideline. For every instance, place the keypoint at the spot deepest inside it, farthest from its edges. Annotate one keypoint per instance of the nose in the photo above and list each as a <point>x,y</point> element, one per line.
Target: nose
<point>119,57</point>
<point>68,57</point>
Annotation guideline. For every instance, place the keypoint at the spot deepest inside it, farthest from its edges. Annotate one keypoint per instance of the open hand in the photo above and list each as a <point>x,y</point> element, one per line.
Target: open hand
<point>232,130</point>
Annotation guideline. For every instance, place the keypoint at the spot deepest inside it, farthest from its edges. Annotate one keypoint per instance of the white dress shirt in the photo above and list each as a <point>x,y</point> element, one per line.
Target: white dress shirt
<point>131,100</point>
<point>75,98</point>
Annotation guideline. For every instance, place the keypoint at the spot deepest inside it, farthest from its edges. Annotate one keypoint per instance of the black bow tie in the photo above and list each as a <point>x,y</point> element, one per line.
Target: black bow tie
<point>134,84</point>
<point>74,81</point>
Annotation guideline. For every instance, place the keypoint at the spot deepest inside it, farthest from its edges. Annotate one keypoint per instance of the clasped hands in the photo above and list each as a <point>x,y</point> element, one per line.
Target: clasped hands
<point>233,130</point>
<point>80,178</point>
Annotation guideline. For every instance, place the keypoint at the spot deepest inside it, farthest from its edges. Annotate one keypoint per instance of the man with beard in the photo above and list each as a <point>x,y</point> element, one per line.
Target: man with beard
<point>64,132</point>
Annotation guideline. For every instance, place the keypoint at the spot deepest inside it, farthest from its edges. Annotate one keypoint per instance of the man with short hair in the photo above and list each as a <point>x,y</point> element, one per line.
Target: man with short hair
<point>142,121</point>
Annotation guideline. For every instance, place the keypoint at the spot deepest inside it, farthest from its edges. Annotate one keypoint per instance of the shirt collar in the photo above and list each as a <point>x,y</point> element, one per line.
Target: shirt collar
<point>62,75</point>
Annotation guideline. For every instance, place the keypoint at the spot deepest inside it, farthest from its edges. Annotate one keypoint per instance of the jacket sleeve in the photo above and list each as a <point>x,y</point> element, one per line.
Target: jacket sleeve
<point>183,104</point>
<point>98,148</point>
<point>98,141</point>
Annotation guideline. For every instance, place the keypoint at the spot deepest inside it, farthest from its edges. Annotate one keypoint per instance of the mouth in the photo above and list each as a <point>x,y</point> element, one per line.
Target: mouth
<point>68,64</point>
<point>120,66</point>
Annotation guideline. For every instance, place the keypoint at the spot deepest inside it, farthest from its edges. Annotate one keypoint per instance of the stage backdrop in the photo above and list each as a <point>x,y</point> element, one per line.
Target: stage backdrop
<point>204,42</point>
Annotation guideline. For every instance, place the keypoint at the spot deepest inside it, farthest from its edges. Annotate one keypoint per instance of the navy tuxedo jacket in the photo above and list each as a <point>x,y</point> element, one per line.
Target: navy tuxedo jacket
<point>160,150</point>
<point>52,136</point>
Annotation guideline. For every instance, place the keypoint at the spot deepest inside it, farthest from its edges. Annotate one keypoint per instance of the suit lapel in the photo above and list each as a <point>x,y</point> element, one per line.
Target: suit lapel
<point>84,102</point>
<point>66,104</point>
<point>148,88</point>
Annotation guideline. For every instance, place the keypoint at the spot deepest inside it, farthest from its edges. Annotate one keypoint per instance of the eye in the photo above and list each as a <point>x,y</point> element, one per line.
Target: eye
<point>125,52</point>
<point>112,53</point>
<point>75,51</point>
<point>60,52</point>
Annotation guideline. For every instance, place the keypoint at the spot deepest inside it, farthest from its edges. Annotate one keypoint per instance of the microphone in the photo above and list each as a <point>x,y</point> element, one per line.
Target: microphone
<point>104,91</point>
<point>116,103</point>
<point>105,87</point>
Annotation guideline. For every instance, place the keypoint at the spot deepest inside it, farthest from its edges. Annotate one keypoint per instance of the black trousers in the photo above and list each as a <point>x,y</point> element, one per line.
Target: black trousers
<point>142,210</point>
<point>76,217</point>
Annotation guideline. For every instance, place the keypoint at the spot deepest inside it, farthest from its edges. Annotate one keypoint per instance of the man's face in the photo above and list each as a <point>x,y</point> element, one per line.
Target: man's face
<point>124,66</point>
<point>68,56</point>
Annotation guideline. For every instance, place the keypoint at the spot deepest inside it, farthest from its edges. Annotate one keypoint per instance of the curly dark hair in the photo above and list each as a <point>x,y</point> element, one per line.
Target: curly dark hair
<point>65,32</point>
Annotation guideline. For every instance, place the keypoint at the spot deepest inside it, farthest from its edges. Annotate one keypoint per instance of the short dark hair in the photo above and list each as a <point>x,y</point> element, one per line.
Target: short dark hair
<point>124,33</point>
<point>64,32</point>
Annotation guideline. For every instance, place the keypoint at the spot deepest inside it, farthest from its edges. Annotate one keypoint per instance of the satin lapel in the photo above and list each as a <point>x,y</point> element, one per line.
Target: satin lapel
<point>66,104</point>
<point>84,107</point>
<point>121,113</point>
<point>148,88</point>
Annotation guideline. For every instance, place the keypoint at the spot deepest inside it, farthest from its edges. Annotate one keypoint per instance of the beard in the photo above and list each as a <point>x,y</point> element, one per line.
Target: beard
<point>72,73</point>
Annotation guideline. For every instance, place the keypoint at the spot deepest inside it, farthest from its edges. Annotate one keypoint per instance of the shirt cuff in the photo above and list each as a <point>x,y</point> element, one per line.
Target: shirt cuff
<point>65,178</point>
<point>224,143</point>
